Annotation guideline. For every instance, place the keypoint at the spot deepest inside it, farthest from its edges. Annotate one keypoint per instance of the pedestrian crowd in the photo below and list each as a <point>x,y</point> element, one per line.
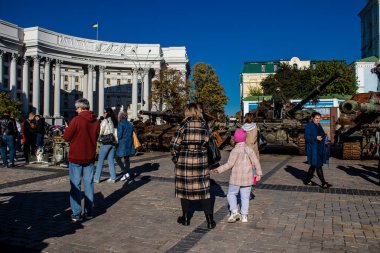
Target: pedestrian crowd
<point>192,148</point>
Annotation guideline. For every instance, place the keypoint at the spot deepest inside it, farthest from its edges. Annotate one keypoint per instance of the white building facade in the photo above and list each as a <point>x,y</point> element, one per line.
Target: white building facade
<point>48,71</point>
<point>366,80</point>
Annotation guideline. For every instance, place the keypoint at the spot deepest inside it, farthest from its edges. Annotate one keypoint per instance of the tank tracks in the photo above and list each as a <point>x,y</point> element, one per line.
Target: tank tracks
<point>301,144</point>
<point>351,150</point>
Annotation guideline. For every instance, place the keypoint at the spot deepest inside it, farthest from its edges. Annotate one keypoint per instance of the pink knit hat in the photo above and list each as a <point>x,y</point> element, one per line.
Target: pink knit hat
<point>240,135</point>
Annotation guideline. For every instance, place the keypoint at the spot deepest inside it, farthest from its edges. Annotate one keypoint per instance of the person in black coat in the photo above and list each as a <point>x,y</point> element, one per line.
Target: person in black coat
<point>29,133</point>
<point>8,137</point>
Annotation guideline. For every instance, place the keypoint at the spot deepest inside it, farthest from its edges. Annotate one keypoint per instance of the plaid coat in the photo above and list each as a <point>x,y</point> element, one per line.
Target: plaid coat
<point>189,151</point>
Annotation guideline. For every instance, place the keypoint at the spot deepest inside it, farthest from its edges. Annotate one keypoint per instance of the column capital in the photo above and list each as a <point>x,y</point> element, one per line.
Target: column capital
<point>91,67</point>
<point>48,60</point>
<point>135,71</point>
<point>14,56</point>
<point>102,68</point>
<point>2,53</point>
<point>36,58</point>
<point>26,59</point>
<point>58,61</point>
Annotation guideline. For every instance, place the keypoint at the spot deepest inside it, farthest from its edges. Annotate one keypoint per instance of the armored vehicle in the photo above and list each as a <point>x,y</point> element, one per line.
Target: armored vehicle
<point>357,124</point>
<point>288,130</point>
<point>154,136</point>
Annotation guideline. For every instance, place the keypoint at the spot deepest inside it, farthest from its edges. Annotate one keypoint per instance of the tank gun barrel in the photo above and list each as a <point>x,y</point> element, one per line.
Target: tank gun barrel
<point>352,106</point>
<point>317,90</point>
<point>162,114</point>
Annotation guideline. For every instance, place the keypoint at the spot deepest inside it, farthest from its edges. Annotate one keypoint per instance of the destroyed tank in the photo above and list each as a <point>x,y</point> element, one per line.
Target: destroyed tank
<point>157,132</point>
<point>289,130</point>
<point>357,124</point>
<point>155,135</point>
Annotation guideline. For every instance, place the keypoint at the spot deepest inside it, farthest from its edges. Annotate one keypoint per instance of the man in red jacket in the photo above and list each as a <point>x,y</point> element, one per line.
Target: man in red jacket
<point>82,133</point>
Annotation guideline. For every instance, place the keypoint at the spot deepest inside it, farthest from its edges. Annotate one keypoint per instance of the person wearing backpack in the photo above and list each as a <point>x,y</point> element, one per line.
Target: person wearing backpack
<point>8,138</point>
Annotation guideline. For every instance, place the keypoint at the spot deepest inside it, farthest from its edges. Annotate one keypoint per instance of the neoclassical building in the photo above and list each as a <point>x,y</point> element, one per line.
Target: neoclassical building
<point>48,71</point>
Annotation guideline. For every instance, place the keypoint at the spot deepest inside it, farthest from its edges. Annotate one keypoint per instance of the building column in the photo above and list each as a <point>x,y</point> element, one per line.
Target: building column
<point>146,90</point>
<point>25,85</point>
<point>47,80</point>
<point>36,102</point>
<point>57,89</point>
<point>13,76</point>
<point>85,85</point>
<point>90,86</point>
<point>1,69</point>
<point>134,94</point>
<point>101,91</point>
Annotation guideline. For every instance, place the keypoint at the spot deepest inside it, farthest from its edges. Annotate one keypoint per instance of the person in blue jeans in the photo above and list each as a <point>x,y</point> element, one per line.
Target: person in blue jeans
<point>8,135</point>
<point>82,133</point>
<point>107,149</point>
<point>125,145</point>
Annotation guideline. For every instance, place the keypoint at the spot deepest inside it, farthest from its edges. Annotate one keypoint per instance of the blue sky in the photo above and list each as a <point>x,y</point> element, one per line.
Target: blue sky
<point>224,34</point>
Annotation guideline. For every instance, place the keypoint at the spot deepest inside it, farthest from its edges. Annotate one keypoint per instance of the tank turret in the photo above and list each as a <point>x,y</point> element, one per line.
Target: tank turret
<point>357,123</point>
<point>289,129</point>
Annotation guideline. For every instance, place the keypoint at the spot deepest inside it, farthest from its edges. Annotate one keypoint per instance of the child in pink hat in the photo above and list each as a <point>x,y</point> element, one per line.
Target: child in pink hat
<point>242,159</point>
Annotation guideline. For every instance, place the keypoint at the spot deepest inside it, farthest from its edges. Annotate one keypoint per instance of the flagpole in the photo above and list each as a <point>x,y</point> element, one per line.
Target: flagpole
<point>97,30</point>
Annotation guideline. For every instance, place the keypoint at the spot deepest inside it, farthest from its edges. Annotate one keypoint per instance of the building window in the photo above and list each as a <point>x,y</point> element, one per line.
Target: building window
<point>77,79</point>
<point>66,78</point>
<point>108,73</point>
<point>275,67</point>
<point>139,81</point>
<point>118,81</point>
<point>262,67</point>
<point>77,70</point>
<point>108,81</point>
<point>66,87</point>
<point>118,74</point>
<point>295,66</point>
<point>66,70</point>
<point>314,66</point>
<point>76,87</point>
<point>129,80</point>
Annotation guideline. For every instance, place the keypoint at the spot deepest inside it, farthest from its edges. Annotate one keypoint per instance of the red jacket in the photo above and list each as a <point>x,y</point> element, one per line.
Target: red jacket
<point>82,133</point>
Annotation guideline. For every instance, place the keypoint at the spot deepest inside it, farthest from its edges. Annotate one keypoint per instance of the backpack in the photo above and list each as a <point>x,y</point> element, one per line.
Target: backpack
<point>5,126</point>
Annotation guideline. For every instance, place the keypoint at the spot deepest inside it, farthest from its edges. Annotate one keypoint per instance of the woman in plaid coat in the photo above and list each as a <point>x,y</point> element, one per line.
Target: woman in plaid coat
<point>192,175</point>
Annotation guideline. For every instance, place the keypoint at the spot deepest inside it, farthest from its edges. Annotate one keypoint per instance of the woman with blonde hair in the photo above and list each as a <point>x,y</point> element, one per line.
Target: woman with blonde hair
<point>192,175</point>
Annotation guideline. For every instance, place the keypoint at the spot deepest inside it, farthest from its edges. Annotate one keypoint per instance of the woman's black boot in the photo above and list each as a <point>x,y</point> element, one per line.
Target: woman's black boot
<point>210,221</point>
<point>184,219</point>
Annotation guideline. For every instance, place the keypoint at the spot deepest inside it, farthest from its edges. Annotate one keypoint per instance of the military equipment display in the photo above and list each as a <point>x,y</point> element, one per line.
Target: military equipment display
<point>289,130</point>
<point>155,136</point>
<point>357,124</point>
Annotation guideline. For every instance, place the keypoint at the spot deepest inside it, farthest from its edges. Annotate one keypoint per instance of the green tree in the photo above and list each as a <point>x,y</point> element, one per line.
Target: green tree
<point>11,104</point>
<point>255,91</point>
<point>170,89</point>
<point>207,90</point>
<point>297,83</point>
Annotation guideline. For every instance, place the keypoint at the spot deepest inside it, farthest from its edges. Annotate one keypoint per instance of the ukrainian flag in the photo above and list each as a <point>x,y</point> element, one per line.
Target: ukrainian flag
<point>95,25</point>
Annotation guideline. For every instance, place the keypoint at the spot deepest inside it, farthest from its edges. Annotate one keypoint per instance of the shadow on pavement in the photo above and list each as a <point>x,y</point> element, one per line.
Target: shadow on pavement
<point>295,172</point>
<point>366,172</point>
<point>29,218</point>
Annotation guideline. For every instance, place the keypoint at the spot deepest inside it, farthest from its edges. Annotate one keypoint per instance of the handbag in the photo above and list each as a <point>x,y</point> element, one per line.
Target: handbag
<point>107,139</point>
<point>136,142</point>
<point>261,140</point>
<point>213,152</point>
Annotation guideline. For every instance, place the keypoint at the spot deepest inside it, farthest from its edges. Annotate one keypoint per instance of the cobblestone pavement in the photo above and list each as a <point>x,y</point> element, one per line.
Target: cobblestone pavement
<point>140,216</point>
